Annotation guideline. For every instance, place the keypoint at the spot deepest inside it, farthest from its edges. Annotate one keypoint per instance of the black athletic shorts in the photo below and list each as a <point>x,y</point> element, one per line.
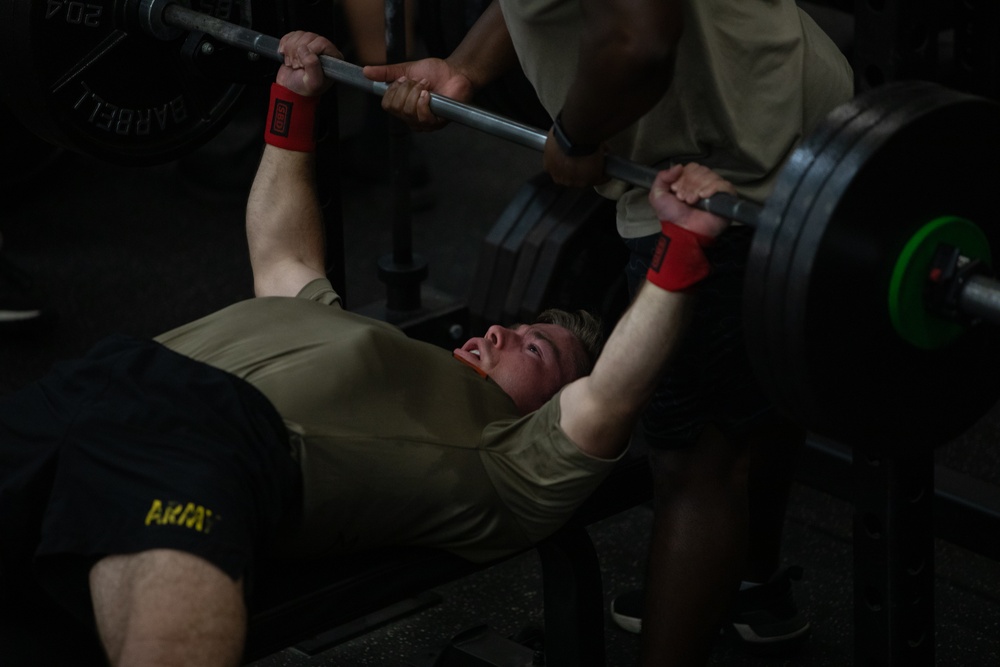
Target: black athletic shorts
<point>136,447</point>
<point>710,379</point>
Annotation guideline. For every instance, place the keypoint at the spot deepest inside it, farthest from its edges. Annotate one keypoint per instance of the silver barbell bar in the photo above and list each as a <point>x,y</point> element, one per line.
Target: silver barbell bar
<point>164,19</point>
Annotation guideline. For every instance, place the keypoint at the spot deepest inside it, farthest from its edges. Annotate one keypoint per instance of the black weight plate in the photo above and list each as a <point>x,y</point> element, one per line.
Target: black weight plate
<point>928,396</point>
<point>570,204</point>
<point>774,243</point>
<point>502,246</point>
<point>844,371</point>
<point>580,262</point>
<point>808,215</point>
<point>798,201</point>
<point>84,76</point>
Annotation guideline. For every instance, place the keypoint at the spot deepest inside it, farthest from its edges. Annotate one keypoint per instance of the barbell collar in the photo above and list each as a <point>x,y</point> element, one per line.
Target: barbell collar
<point>161,18</point>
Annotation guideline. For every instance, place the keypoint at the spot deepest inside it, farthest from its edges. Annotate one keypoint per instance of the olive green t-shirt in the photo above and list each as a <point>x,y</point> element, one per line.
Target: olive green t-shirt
<point>399,442</point>
<point>751,79</point>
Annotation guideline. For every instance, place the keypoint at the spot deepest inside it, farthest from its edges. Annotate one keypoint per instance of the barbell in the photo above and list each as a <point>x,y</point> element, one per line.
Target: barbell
<point>168,20</point>
<point>868,296</point>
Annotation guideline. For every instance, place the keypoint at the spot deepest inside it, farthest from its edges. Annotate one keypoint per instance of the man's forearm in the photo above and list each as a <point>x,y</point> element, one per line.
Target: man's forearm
<point>284,221</point>
<point>627,51</point>
<point>486,52</point>
<point>599,411</point>
<point>639,347</point>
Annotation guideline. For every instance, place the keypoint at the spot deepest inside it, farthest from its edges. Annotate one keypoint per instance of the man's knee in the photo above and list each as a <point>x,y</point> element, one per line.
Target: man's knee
<point>169,604</point>
<point>714,464</point>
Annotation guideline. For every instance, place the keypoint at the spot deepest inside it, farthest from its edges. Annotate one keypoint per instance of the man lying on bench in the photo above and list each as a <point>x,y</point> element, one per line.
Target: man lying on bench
<point>142,482</point>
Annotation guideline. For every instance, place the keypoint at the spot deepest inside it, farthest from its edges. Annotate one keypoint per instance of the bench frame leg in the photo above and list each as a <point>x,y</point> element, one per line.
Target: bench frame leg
<point>573,594</point>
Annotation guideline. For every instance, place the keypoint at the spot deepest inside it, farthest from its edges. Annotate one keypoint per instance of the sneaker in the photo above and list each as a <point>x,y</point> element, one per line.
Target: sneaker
<point>20,304</point>
<point>764,618</point>
<point>626,610</point>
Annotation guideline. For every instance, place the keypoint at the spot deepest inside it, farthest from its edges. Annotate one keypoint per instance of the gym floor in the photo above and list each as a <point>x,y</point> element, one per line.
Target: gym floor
<point>141,250</point>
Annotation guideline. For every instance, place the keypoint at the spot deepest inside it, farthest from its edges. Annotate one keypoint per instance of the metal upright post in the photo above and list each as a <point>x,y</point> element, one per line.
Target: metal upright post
<point>402,271</point>
<point>893,557</point>
<point>420,310</point>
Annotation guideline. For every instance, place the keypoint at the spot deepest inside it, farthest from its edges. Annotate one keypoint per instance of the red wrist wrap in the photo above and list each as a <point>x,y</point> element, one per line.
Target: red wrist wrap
<point>291,120</point>
<point>678,262</point>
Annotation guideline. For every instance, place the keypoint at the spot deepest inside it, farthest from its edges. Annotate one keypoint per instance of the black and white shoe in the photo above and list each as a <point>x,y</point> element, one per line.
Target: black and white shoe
<point>20,303</point>
<point>764,618</point>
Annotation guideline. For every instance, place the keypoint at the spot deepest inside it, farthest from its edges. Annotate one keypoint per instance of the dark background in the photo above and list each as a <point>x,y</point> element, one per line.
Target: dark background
<point>139,250</point>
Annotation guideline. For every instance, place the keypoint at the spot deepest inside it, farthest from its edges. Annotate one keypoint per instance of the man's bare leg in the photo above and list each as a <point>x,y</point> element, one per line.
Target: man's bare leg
<point>697,549</point>
<point>164,607</point>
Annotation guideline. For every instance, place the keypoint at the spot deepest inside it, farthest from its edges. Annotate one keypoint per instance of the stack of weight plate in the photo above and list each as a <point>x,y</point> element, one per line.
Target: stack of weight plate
<point>551,247</point>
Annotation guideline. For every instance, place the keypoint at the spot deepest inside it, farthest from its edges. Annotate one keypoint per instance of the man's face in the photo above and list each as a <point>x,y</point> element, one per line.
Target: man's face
<point>529,362</point>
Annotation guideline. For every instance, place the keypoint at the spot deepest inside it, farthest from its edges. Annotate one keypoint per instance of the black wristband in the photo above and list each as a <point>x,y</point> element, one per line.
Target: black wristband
<point>567,146</point>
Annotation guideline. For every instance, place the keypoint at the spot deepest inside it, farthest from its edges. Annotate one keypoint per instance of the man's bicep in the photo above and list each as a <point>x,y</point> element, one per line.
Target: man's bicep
<point>588,422</point>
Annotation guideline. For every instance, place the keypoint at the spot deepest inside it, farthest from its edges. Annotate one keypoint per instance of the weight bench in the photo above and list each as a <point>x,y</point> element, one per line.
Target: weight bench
<point>294,604</point>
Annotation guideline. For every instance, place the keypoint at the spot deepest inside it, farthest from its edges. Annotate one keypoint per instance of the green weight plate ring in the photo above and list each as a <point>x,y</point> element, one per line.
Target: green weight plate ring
<point>907,310</point>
